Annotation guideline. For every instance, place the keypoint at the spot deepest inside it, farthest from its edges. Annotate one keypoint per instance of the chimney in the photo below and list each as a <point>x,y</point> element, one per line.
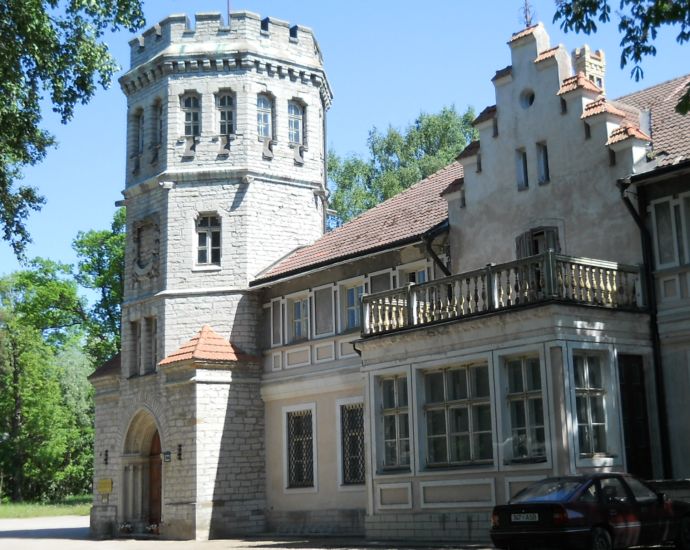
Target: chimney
<point>591,63</point>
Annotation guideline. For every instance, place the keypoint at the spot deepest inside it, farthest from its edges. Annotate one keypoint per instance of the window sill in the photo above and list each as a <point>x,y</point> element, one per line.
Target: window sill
<point>394,471</point>
<point>528,460</point>
<point>206,268</point>
<point>452,467</point>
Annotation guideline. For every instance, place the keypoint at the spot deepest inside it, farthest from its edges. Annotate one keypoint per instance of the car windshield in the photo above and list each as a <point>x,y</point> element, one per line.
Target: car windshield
<point>548,490</point>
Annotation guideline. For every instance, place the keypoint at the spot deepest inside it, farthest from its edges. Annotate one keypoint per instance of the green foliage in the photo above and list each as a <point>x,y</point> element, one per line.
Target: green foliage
<point>638,21</point>
<point>101,268</point>
<point>49,49</point>
<point>397,160</point>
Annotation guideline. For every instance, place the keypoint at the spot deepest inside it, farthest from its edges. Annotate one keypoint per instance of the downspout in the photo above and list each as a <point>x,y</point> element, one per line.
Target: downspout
<point>650,291</point>
<point>428,238</point>
<point>324,198</point>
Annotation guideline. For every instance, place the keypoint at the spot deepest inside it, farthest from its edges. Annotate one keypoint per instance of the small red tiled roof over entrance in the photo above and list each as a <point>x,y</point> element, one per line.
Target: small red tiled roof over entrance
<point>401,219</point>
<point>670,131</point>
<point>207,346</point>
<point>110,368</point>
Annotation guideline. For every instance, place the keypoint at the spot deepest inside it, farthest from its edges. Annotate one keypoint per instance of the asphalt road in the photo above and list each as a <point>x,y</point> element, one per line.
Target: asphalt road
<point>72,533</point>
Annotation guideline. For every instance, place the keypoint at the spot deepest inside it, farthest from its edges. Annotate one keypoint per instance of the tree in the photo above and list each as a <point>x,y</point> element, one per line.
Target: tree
<point>398,159</point>
<point>638,21</point>
<point>51,47</point>
<point>101,268</point>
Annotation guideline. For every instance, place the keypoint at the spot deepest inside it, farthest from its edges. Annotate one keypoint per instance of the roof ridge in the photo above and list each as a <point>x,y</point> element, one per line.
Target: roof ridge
<point>658,85</point>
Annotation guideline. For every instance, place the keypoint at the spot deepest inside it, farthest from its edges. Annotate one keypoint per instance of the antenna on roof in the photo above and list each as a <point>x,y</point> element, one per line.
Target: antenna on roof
<point>527,13</point>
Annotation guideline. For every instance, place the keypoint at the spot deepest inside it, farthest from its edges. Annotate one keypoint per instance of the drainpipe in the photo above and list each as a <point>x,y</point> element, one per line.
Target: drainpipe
<point>650,290</point>
<point>428,238</point>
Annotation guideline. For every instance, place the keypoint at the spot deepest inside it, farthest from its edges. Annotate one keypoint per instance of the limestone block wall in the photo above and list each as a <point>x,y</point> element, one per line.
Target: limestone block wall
<point>230,473</point>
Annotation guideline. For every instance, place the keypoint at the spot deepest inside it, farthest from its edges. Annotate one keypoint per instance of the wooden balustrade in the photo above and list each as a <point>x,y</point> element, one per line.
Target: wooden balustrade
<point>540,278</point>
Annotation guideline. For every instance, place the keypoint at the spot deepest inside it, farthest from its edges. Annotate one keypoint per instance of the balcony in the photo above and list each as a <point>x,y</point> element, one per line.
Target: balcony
<point>543,278</point>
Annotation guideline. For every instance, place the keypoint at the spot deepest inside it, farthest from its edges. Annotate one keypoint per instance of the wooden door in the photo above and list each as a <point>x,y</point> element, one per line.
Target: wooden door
<point>155,467</point>
<point>635,421</point>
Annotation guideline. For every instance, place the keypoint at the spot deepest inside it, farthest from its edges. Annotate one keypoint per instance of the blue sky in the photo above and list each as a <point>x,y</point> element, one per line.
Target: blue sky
<point>386,60</point>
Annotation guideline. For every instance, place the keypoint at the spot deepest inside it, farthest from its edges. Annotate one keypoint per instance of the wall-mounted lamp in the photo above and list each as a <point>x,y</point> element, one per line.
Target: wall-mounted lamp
<point>179,452</point>
<point>105,457</point>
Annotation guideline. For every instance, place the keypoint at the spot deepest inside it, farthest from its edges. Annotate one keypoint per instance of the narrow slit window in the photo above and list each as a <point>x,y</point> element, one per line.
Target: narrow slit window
<point>543,163</point>
<point>521,169</point>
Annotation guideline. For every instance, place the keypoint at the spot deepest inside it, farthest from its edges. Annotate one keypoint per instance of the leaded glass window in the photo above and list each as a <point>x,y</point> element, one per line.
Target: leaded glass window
<point>300,441</point>
<point>352,444</point>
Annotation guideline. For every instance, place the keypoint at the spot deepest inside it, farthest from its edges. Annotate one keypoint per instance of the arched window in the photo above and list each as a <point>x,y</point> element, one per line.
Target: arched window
<point>264,116</point>
<point>295,123</point>
<point>191,107</point>
<point>226,113</point>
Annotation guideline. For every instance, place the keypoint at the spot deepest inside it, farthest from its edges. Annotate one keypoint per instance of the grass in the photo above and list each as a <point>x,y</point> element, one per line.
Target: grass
<point>71,506</point>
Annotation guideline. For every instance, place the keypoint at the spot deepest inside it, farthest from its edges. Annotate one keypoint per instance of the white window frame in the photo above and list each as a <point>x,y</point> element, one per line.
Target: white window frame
<point>208,231</point>
<point>223,110</point>
<point>286,467</point>
<point>334,322</point>
<point>446,406</point>
<point>381,466</point>
<point>305,332</point>
<point>525,396</point>
<point>417,267</point>
<point>614,428</point>
<point>343,288</point>
<point>370,276</point>
<point>296,120</point>
<point>277,303</point>
<point>189,120</point>
<point>342,486</point>
<point>681,226</point>
<point>265,125</point>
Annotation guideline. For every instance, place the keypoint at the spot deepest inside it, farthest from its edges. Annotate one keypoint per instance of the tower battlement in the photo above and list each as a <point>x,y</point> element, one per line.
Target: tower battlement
<point>244,26</point>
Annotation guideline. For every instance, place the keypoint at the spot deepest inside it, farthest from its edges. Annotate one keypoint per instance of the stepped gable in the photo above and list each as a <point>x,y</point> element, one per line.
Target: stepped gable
<point>670,131</point>
<point>400,219</point>
<point>209,347</point>
<point>572,83</point>
<point>110,368</point>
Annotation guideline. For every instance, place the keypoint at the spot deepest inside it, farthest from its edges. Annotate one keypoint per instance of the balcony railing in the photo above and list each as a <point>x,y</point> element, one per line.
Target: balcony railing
<point>541,278</point>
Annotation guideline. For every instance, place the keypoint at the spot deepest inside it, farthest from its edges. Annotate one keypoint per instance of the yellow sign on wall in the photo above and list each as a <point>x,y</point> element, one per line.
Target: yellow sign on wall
<point>105,486</point>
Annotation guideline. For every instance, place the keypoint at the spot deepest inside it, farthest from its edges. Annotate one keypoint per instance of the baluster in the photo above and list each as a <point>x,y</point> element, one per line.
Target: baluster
<point>455,286</point>
<point>482,294</point>
<point>501,295</point>
<point>607,287</point>
<point>475,295</point>
<point>560,280</point>
<point>469,299</point>
<point>613,288</point>
<point>588,284</point>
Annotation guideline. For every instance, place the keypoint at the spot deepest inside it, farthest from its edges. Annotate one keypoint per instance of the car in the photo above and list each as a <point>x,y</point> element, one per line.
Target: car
<point>598,511</point>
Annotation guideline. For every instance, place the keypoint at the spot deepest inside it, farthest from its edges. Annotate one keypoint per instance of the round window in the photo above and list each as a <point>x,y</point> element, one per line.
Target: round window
<point>526,98</point>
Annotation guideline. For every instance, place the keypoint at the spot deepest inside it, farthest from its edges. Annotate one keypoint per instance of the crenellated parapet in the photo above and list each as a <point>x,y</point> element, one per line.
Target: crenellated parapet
<point>249,43</point>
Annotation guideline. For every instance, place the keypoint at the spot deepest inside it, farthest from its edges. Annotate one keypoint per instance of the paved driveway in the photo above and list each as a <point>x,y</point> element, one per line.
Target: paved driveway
<point>72,533</point>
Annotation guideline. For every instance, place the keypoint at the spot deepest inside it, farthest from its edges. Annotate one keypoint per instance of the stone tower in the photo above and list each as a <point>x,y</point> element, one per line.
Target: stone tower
<point>225,175</point>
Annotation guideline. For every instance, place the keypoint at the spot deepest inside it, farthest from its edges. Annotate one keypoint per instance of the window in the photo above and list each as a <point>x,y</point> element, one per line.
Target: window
<point>264,116</point>
<point>352,443</point>
<point>521,169</point>
<point>191,108</point>
<point>300,319</point>
<point>353,297</point>
<point>458,416</point>
<point>396,429</point>
<point>525,408</point>
<point>140,133</point>
<point>537,241</point>
<point>276,324</point>
<point>640,491</point>
<point>671,222</point>
<point>150,344</point>
<point>590,395</point>
<point>612,157</point>
<point>588,131</point>
<point>564,106</point>
<point>135,348</point>
<point>543,163</point>
<point>208,240</point>
<point>295,123</point>
<point>494,126</point>
<point>158,124</point>
<point>380,282</point>
<point>613,490</point>
<point>415,276</point>
<point>323,311</point>
<point>300,448</point>
<point>479,163</point>
<point>226,114</point>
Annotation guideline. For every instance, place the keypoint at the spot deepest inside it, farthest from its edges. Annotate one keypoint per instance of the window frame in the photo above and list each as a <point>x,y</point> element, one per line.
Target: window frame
<point>339,404</point>
<point>189,120</point>
<point>343,307</point>
<point>521,169</point>
<point>261,120</point>
<point>208,231</point>
<point>680,230</point>
<point>303,407</point>
<point>314,291</point>
<point>543,173</point>
<point>301,119</point>
<point>398,412</point>
<point>222,110</point>
<point>302,297</point>
<point>405,270</point>
<point>469,403</point>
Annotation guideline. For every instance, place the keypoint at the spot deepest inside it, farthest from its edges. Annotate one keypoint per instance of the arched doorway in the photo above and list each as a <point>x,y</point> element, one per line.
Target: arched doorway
<point>142,473</point>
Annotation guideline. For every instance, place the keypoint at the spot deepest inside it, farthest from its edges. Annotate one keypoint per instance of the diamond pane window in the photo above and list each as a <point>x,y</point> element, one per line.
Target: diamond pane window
<point>300,449</point>
<point>352,433</point>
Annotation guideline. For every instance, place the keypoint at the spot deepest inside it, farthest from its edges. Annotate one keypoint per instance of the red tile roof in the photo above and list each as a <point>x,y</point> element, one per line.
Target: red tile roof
<point>601,106</point>
<point>572,83</point>
<point>487,114</point>
<point>626,132</point>
<point>547,54</point>
<point>469,151</point>
<point>207,346</point>
<point>521,34</point>
<point>453,187</point>
<point>110,368</point>
<point>400,219</point>
<point>670,131</point>
<point>500,73</point>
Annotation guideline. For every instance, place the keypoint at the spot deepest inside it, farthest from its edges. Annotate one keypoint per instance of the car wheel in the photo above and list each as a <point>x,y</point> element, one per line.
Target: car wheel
<point>683,541</point>
<point>601,540</point>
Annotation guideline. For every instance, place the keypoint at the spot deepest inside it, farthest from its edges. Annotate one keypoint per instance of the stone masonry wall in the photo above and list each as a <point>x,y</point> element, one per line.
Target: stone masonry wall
<point>465,527</point>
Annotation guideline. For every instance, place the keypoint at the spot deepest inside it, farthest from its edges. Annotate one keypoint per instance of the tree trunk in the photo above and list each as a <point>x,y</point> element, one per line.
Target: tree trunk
<point>17,469</point>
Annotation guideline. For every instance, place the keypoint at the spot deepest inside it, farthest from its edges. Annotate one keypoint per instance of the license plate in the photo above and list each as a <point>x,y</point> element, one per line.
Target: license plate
<point>524,517</point>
